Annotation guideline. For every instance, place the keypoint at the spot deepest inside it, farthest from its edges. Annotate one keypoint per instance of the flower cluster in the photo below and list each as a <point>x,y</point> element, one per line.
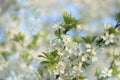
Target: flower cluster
<point>91,50</point>
<point>70,58</point>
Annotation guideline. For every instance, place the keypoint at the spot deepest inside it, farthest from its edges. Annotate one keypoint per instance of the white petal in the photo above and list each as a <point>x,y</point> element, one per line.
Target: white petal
<point>94,58</point>
<point>93,52</point>
<point>88,46</point>
<point>110,71</point>
<point>107,42</point>
<point>89,50</point>
<point>111,40</point>
<point>112,36</point>
<point>83,58</point>
<point>107,34</point>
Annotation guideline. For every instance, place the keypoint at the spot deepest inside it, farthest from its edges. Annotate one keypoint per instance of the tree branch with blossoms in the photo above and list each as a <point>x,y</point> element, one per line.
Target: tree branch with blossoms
<point>68,59</point>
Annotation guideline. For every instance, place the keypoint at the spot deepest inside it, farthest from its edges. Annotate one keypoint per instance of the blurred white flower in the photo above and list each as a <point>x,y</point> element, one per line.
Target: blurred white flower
<point>56,26</point>
<point>60,68</point>
<point>80,53</point>
<point>117,62</point>
<point>84,58</point>
<point>61,53</point>
<point>107,73</point>
<point>94,58</point>
<point>78,27</point>
<point>90,49</point>
<point>60,78</point>
<point>107,26</point>
<point>67,41</point>
<point>108,38</point>
<point>76,70</point>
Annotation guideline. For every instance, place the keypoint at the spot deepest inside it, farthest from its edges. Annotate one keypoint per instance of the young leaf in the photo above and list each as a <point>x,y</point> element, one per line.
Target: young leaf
<point>54,53</point>
<point>33,44</point>
<point>80,77</point>
<point>13,48</point>
<point>67,17</point>
<point>85,65</point>
<point>77,39</point>
<point>111,30</point>
<point>5,55</point>
<point>115,72</point>
<point>117,17</point>
<point>69,21</point>
<point>94,38</point>
<point>87,39</point>
<point>58,33</point>
<point>97,73</point>
<point>19,37</point>
<point>26,56</point>
<point>44,62</point>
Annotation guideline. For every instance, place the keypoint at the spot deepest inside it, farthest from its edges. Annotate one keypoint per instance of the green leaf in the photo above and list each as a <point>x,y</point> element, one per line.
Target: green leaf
<point>117,17</point>
<point>94,38</point>
<point>40,71</point>
<point>54,53</point>
<point>117,56</point>
<point>69,21</point>
<point>14,49</point>
<point>111,30</point>
<point>85,65</point>
<point>97,73</point>
<point>19,37</point>
<point>5,54</point>
<point>58,33</point>
<point>26,56</point>
<point>44,62</point>
<point>36,37</point>
<point>52,59</point>
<point>103,78</point>
<point>49,56</point>
<point>87,39</point>
<point>115,72</point>
<point>67,17</point>
<point>117,32</point>
<point>52,66</point>
<point>33,44</point>
<point>41,56</point>
<point>77,39</point>
<point>81,77</point>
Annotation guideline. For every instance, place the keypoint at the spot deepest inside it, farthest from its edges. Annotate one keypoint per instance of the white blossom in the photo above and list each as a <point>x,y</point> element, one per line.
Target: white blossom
<point>107,73</point>
<point>61,53</point>
<point>108,38</point>
<point>84,58</point>
<point>67,41</point>
<point>60,78</point>
<point>117,62</point>
<point>80,53</point>
<point>94,58</point>
<point>77,70</point>
<point>56,26</point>
<point>78,27</point>
<point>90,49</point>
<point>107,26</point>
